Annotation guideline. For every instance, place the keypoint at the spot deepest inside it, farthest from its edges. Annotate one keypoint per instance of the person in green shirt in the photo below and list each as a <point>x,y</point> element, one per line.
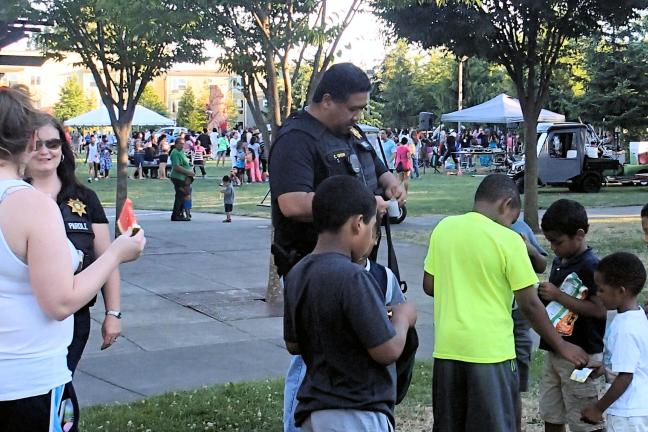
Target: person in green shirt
<point>180,172</point>
<point>474,267</point>
<point>221,152</point>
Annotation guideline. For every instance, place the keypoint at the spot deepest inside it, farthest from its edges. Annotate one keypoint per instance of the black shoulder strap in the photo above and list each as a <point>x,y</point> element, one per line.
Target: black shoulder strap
<point>382,151</point>
<point>392,262</point>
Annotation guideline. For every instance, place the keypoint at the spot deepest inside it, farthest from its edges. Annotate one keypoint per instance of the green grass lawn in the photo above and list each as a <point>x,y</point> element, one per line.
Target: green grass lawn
<point>432,194</point>
<point>257,406</point>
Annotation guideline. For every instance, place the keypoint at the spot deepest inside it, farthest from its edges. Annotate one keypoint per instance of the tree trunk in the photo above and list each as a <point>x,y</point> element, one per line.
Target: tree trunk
<point>122,131</point>
<point>531,169</point>
<point>274,293</point>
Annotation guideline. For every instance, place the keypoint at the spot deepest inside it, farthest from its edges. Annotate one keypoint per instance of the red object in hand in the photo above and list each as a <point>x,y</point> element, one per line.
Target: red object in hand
<point>127,218</point>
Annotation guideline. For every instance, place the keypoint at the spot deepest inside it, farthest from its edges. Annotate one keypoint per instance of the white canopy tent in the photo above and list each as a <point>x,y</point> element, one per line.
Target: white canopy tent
<point>501,109</point>
<point>99,117</point>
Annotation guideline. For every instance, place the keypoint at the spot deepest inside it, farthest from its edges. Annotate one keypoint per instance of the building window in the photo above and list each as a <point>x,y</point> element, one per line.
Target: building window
<point>12,79</point>
<point>35,80</point>
<point>179,84</point>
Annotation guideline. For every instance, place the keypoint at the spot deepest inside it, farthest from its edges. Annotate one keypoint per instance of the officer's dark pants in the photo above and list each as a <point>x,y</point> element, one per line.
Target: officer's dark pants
<point>178,203</point>
<point>79,339</point>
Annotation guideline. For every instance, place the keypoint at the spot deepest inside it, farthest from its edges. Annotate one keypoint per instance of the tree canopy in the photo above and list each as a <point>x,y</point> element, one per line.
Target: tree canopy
<point>124,44</point>
<point>152,101</point>
<point>72,101</point>
<point>618,80</point>
<point>267,43</point>
<point>191,113</point>
<point>526,37</point>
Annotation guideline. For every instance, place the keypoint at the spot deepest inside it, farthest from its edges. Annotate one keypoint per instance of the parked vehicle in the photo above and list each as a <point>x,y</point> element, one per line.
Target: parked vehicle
<point>571,155</point>
<point>171,132</point>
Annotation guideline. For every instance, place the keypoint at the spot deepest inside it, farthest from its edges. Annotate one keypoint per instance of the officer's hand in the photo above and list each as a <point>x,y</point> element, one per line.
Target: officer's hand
<point>398,193</point>
<point>381,205</point>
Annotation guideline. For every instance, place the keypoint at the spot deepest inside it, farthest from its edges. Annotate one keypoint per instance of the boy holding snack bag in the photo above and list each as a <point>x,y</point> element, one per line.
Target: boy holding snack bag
<point>577,313</point>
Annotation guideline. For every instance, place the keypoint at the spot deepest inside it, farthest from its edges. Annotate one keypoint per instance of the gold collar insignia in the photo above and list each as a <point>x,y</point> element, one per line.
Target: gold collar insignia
<point>355,133</point>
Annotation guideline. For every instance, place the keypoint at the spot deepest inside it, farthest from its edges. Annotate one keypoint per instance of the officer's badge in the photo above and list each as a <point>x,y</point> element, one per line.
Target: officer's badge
<point>77,206</point>
<point>355,133</point>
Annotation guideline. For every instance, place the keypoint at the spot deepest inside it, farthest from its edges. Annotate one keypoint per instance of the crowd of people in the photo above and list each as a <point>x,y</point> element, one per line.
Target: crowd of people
<point>180,158</point>
<point>407,150</point>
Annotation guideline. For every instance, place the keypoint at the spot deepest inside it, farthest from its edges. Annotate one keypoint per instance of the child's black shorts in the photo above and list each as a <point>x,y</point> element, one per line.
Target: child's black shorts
<point>473,396</point>
<point>229,208</point>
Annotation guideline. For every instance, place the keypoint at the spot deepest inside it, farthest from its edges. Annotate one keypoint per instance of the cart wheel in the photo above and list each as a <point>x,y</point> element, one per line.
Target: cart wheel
<point>400,218</point>
<point>574,186</point>
<point>591,183</point>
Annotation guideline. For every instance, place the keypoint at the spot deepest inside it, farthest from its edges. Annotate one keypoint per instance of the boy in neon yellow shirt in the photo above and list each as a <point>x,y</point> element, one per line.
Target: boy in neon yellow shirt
<point>475,266</point>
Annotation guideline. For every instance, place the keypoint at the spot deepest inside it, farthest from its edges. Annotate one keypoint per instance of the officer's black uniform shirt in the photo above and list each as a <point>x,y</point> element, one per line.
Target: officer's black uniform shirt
<point>305,153</point>
<point>80,208</point>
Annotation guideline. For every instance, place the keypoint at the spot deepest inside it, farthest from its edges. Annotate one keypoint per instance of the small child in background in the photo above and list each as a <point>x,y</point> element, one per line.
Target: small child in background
<point>620,278</point>
<point>187,204</point>
<point>228,197</point>
<point>234,177</point>
<point>249,165</point>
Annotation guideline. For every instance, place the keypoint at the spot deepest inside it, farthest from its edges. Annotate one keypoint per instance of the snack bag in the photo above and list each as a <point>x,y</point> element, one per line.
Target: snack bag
<point>561,317</point>
<point>127,218</point>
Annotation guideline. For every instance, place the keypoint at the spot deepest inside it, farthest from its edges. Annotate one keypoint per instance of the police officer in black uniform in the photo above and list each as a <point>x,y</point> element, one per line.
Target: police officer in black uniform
<point>312,145</point>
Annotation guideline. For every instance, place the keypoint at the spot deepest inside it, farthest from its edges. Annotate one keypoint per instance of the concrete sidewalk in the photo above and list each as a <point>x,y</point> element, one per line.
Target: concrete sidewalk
<point>194,313</point>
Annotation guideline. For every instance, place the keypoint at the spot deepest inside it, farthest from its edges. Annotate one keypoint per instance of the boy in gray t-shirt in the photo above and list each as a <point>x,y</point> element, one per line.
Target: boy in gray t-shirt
<point>228,197</point>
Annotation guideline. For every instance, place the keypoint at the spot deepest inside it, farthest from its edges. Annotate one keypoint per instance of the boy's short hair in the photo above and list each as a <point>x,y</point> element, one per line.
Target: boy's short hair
<point>337,199</point>
<point>495,187</point>
<point>226,179</point>
<point>644,211</point>
<point>623,269</point>
<point>565,217</point>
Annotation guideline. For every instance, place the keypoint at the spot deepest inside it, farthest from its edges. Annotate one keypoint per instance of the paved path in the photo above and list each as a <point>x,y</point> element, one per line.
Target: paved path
<point>194,314</point>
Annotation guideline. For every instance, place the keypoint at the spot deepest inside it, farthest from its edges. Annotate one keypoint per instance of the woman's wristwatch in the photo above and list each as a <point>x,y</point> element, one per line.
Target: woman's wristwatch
<point>116,314</point>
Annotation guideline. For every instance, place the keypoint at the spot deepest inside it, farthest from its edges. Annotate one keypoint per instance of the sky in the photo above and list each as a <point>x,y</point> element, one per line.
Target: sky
<point>366,36</point>
<point>363,42</point>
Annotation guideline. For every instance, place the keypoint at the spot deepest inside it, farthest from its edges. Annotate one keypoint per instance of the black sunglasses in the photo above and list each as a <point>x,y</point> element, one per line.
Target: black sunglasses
<point>51,144</point>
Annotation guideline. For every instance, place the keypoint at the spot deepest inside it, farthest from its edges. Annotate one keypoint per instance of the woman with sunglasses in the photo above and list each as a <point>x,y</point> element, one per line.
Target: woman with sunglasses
<point>38,289</point>
<point>51,170</point>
